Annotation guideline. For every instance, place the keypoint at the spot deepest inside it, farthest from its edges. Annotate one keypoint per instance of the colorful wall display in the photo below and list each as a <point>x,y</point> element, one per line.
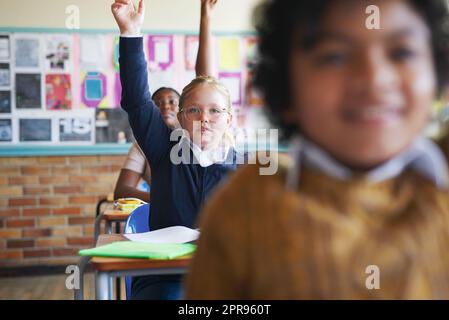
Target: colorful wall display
<point>54,84</point>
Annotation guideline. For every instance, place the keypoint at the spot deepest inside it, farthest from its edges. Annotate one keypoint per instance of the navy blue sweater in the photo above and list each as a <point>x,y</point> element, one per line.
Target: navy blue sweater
<point>178,190</point>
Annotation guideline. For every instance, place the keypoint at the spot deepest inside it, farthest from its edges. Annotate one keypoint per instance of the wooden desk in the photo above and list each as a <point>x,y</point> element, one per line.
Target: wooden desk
<point>109,216</point>
<point>108,268</point>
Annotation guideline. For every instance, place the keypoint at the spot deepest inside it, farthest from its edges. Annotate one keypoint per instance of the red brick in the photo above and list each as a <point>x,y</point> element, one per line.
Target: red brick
<point>36,253</point>
<point>10,213</point>
<point>11,191</point>
<point>84,160</point>
<point>10,254</point>
<point>97,188</point>
<point>20,202</point>
<point>66,211</point>
<point>65,170</point>
<point>19,223</point>
<point>10,233</point>
<point>52,221</point>
<point>36,212</point>
<point>115,159</point>
<point>36,233</point>
<point>81,220</point>
<point>22,243</point>
<point>63,252</point>
<point>36,190</point>
<point>53,179</point>
<point>59,201</point>
<point>96,169</point>
<point>53,160</point>
<point>83,200</point>
<point>24,180</point>
<point>9,171</point>
<point>35,170</point>
<point>72,231</point>
<point>50,242</point>
<point>67,189</point>
<point>83,179</point>
<point>88,230</point>
<point>80,241</point>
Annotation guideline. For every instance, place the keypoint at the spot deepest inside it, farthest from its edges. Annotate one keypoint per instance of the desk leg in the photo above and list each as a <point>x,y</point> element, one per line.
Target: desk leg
<point>118,288</point>
<point>97,227</point>
<point>79,293</point>
<point>103,284</point>
<point>108,226</point>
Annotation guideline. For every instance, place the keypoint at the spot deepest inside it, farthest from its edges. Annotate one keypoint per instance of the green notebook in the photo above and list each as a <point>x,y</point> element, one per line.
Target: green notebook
<point>130,249</point>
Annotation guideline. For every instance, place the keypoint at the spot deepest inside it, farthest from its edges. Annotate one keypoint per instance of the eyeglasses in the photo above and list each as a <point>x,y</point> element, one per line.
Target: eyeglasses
<point>194,113</point>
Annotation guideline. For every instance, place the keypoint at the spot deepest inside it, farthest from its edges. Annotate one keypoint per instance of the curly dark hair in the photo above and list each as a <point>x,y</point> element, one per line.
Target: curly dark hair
<point>277,23</point>
<point>165,88</point>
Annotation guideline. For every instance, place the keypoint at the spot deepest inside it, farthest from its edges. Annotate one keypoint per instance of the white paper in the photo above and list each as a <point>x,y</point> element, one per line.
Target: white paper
<point>93,52</point>
<point>162,52</point>
<point>177,234</point>
<point>233,85</point>
<point>159,79</point>
<point>4,47</point>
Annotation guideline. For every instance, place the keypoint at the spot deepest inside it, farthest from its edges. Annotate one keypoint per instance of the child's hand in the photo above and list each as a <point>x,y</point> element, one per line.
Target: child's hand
<point>207,6</point>
<point>128,19</point>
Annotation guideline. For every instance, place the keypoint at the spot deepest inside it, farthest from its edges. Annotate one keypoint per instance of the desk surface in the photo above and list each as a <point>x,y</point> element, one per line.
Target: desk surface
<point>112,214</point>
<point>114,264</point>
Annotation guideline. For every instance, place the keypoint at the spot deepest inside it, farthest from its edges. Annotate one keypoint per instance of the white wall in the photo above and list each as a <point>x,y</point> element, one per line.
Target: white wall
<point>161,15</point>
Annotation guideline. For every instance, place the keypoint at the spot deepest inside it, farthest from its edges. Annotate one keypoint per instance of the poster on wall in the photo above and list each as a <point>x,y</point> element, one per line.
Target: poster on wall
<point>28,91</point>
<point>5,101</point>
<point>5,130</point>
<point>233,82</point>
<point>4,47</point>
<point>229,54</point>
<point>160,52</point>
<point>58,49</point>
<point>35,130</point>
<point>4,75</point>
<point>112,126</point>
<point>76,129</point>
<point>27,52</point>
<point>93,90</point>
<point>93,52</point>
<point>191,50</point>
<point>58,92</point>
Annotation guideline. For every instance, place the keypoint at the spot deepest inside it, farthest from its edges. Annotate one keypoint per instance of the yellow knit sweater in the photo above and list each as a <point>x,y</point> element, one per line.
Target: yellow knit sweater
<point>261,241</point>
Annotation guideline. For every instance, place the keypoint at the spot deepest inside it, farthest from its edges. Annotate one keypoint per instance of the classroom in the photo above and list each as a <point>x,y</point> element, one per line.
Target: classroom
<point>224,150</point>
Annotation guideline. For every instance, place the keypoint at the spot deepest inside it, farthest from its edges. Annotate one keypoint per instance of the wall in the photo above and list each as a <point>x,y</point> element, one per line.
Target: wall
<point>181,15</point>
<point>47,206</point>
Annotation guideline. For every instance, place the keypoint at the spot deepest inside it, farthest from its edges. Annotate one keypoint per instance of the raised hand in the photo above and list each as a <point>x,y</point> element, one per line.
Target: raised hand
<point>207,6</point>
<point>129,20</point>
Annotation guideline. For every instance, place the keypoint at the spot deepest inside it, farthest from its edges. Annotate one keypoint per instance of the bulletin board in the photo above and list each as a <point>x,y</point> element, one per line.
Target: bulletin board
<point>64,89</point>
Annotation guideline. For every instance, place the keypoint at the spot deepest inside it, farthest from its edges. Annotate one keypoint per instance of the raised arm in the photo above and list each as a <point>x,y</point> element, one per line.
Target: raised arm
<point>203,65</point>
<point>145,119</point>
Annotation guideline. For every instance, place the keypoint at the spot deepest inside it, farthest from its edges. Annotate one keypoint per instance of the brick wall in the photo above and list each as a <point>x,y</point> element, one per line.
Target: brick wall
<point>47,206</point>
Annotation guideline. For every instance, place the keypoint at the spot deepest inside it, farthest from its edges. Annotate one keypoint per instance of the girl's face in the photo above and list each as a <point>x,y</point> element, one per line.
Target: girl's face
<point>168,103</point>
<point>205,116</point>
<point>363,95</point>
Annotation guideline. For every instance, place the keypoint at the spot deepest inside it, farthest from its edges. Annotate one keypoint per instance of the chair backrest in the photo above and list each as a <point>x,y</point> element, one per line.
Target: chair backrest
<point>137,222</point>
